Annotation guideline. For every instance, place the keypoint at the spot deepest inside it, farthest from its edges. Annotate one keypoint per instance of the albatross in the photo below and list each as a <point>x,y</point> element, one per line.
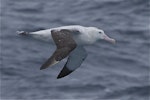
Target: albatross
<point>70,42</point>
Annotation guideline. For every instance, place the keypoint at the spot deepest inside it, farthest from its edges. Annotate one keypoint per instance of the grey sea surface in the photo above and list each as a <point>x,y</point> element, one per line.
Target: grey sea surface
<point>110,72</point>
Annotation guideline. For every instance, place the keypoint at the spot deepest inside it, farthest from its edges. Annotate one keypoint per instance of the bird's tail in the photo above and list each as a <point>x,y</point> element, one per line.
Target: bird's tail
<point>22,33</point>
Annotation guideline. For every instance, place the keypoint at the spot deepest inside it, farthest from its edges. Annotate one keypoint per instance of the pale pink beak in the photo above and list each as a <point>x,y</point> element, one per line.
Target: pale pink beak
<point>109,39</point>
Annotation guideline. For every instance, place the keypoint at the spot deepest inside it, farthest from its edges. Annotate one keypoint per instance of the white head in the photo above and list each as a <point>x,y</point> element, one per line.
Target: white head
<point>99,34</point>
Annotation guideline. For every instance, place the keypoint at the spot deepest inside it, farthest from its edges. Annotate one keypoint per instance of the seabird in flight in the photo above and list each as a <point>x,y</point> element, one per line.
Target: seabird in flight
<point>69,41</point>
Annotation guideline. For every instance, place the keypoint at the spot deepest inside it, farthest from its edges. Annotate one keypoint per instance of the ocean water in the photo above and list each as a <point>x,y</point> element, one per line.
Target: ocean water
<point>110,72</point>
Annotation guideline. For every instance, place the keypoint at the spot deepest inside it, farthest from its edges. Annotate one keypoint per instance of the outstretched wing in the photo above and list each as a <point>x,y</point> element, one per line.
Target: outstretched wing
<point>74,61</point>
<point>65,44</point>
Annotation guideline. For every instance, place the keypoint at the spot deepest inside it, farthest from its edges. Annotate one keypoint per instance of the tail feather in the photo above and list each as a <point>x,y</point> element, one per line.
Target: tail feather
<point>22,32</point>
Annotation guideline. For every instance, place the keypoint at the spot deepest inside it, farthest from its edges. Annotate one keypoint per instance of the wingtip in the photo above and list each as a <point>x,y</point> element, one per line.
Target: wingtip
<point>64,72</point>
<point>48,63</point>
<point>61,76</point>
<point>42,68</point>
<point>58,77</point>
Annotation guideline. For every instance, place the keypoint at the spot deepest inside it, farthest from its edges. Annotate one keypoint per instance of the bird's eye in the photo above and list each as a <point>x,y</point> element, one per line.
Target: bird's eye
<point>100,32</point>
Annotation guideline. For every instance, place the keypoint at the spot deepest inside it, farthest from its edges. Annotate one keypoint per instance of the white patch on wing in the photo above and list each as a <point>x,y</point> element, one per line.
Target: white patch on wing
<point>76,58</point>
<point>54,62</point>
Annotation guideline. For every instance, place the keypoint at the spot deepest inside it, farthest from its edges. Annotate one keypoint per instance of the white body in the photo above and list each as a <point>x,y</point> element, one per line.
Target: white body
<point>87,34</point>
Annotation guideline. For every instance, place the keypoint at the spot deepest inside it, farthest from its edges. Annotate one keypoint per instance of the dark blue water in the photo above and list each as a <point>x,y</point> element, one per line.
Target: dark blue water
<point>111,72</point>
